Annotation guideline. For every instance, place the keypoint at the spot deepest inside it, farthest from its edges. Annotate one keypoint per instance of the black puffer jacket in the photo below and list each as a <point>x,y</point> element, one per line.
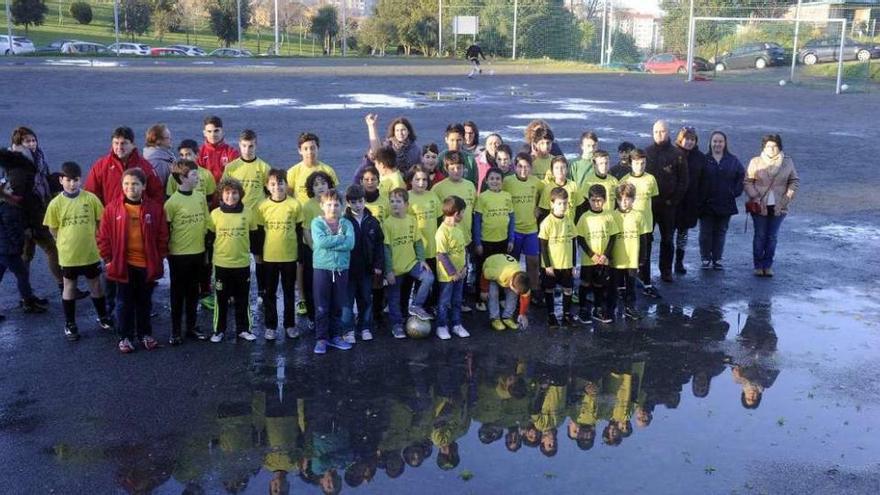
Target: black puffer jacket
<point>16,196</point>
<point>689,208</point>
<point>669,167</point>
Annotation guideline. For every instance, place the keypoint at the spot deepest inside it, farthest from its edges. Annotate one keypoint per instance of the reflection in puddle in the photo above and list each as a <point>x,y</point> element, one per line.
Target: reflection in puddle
<point>451,95</point>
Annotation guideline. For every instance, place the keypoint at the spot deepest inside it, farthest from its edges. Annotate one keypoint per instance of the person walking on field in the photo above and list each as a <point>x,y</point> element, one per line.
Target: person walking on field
<point>473,54</point>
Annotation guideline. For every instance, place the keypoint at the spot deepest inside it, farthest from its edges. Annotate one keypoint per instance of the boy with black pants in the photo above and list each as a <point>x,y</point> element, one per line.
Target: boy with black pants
<point>596,230</point>
<point>557,238</point>
<point>369,256</point>
<point>626,253</point>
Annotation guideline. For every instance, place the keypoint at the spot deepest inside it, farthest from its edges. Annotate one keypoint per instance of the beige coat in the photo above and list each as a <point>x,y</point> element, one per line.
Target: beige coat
<point>759,176</point>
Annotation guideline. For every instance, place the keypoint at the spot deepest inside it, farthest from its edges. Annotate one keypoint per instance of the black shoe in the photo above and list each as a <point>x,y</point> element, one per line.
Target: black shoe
<point>175,340</point>
<point>680,269</point>
<point>81,294</point>
<point>632,313</point>
<point>567,320</point>
<point>32,306</point>
<point>552,322</point>
<point>71,332</point>
<point>651,292</point>
<point>2,318</point>
<point>40,301</point>
<point>195,333</point>
<point>667,277</point>
<point>602,316</point>
<point>716,265</point>
<point>584,316</point>
<point>106,323</point>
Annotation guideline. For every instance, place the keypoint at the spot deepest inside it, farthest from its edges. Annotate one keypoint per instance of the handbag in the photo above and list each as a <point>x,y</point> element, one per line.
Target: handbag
<point>753,206</point>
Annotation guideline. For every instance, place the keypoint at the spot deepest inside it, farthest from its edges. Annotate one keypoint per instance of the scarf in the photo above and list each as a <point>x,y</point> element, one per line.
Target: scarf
<point>774,162</point>
<point>41,178</point>
<point>400,149</point>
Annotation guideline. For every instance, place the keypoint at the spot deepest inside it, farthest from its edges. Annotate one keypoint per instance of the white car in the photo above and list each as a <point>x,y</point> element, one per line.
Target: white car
<point>129,49</point>
<point>20,45</point>
<point>82,48</point>
<point>190,50</point>
<point>230,52</point>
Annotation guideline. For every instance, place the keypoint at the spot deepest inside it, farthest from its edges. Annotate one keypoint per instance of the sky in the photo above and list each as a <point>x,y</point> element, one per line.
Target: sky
<point>642,5</point>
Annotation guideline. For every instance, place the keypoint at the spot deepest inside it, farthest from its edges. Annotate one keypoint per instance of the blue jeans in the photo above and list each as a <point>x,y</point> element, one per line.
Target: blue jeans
<point>764,242</point>
<point>14,264</point>
<point>713,233</point>
<point>360,292</point>
<point>449,312</point>
<point>330,290</point>
<point>425,278</point>
<point>494,303</point>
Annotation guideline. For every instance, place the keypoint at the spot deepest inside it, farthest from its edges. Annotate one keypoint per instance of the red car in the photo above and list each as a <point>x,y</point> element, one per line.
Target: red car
<point>167,52</point>
<point>671,63</point>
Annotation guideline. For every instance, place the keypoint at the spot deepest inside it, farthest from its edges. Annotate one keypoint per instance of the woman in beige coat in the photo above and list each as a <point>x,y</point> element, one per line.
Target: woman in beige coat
<point>772,181</point>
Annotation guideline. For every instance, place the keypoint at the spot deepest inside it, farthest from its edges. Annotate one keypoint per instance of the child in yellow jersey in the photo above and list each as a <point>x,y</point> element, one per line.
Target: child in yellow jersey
<point>298,174</point>
<point>596,231</point>
<point>626,254</point>
<point>376,202</point>
<point>72,218</point>
<point>251,171</point>
<point>318,183</point>
<point>493,227</point>
<point>454,138</point>
<point>280,216</point>
<point>424,206</point>
<point>557,236</point>
<point>236,236</point>
<point>542,144</point>
<point>646,189</point>
<point>504,272</point>
<point>451,268</point>
<point>187,214</point>
<point>404,264</point>
<point>504,159</point>
<point>600,175</point>
<point>525,191</point>
<point>189,150</point>
<point>389,177</point>
<point>559,178</point>
<point>456,185</point>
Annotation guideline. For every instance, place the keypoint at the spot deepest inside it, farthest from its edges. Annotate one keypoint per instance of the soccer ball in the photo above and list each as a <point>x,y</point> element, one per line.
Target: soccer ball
<point>844,87</point>
<point>782,82</point>
<point>417,328</point>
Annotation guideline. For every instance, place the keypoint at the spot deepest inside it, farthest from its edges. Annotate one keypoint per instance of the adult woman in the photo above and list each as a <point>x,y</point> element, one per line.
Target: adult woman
<point>771,183</point>
<point>471,137</point>
<point>529,133</point>
<point>688,210</point>
<point>157,151</point>
<point>722,184</point>
<point>400,137</point>
<point>486,158</point>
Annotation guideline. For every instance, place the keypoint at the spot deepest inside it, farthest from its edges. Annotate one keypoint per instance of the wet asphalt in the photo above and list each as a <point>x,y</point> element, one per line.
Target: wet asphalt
<point>230,417</point>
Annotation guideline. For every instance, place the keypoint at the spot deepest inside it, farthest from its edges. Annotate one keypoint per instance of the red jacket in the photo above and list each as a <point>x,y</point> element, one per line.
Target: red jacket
<point>214,157</point>
<point>105,177</point>
<point>113,233</point>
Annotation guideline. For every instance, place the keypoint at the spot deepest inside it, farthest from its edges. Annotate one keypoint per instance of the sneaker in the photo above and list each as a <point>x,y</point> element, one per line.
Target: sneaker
<point>71,332</point>
<point>39,301</point>
<point>207,302</point>
<point>498,325</point>
<point>397,332</point>
<point>247,336</point>
<point>552,322</point>
<point>443,333</point>
<point>339,343</point>
<point>195,333</point>
<point>366,334</point>
<point>217,337</point>
<point>349,337</point>
<point>480,306</point>
<point>106,323</point>
<point>706,265</point>
<point>466,309</point>
<point>584,316</point>
<point>149,342</point>
<point>759,272</point>
<point>175,340</point>
<point>716,265</point>
<point>631,313</point>
<point>31,306</point>
<point>320,347</point>
<point>270,334</point>
<point>602,316</point>
<point>459,331</point>
<point>420,313</point>
<point>81,294</point>
<point>301,308</point>
<point>125,346</point>
<point>510,323</point>
<point>567,320</point>
<point>768,272</point>
<point>293,332</point>
<point>651,291</point>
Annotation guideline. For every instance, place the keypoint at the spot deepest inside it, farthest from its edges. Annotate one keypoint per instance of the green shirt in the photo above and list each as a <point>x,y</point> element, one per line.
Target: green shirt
<point>232,244</point>
<point>188,217</point>
<point>75,221</point>
<point>253,176</point>
<point>279,220</point>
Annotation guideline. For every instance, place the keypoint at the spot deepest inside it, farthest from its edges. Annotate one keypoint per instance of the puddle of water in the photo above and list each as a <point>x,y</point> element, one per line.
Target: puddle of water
<point>78,62</point>
<point>846,233</point>
<point>195,107</point>
<point>584,107</point>
<point>451,95</point>
<point>671,106</point>
<point>550,116</point>
<point>270,102</point>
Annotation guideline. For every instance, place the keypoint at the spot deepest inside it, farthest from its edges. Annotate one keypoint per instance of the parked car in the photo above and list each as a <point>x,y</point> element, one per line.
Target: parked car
<point>20,45</point>
<point>751,55</point>
<point>54,47</point>
<point>129,49</point>
<point>166,52</point>
<point>230,52</point>
<point>83,48</point>
<point>826,50</point>
<point>672,63</point>
<point>190,50</point>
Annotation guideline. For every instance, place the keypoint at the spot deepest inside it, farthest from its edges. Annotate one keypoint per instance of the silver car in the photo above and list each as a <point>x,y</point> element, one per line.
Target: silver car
<point>190,50</point>
<point>230,52</point>
<point>129,49</point>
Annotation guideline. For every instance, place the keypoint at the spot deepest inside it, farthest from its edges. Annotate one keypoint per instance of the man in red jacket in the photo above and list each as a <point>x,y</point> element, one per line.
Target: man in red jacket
<point>215,153</point>
<point>105,176</point>
<point>133,241</point>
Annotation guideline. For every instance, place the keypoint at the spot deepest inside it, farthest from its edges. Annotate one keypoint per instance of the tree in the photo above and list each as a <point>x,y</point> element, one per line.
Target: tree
<point>135,17</point>
<point>623,48</point>
<point>28,12</point>
<point>224,19</point>
<point>189,12</point>
<point>326,25</point>
<point>165,17</point>
<point>82,12</point>
<point>376,33</point>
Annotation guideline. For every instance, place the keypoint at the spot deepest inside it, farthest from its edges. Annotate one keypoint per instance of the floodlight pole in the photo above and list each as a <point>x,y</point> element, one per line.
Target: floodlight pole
<point>610,34</point>
<point>238,21</point>
<point>9,29</point>
<point>794,48</point>
<point>343,28</point>
<point>276,27</point>
<point>691,39</point>
<point>840,56</point>
<point>515,13</point>
<point>115,23</point>
<point>604,20</point>
<point>440,28</point>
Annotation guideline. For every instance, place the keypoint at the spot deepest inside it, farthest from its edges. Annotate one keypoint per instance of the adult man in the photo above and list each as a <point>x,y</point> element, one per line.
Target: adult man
<point>669,167</point>
<point>105,176</point>
<point>473,54</point>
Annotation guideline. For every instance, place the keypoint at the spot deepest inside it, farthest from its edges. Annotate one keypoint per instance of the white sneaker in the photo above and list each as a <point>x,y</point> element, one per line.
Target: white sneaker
<point>217,337</point>
<point>459,331</point>
<point>366,335</point>
<point>349,337</point>
<point>293,332</point>
<point>247,336</point>
<point>443,333</point>
<point>270,334</point>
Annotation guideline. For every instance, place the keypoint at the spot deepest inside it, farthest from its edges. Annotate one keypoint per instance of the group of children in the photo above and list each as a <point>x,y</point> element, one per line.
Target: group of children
<point>408,239</point>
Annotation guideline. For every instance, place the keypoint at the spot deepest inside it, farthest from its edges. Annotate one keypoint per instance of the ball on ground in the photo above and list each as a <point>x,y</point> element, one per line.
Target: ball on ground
<point>417,328</point>
<point>844,87</point>
<point>782,82</point>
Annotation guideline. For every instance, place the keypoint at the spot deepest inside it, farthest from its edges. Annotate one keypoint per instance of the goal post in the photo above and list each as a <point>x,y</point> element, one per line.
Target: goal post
<point>796,22</point>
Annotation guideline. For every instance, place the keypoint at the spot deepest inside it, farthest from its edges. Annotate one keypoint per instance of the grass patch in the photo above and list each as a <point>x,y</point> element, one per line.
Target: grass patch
<point>851,70</point>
